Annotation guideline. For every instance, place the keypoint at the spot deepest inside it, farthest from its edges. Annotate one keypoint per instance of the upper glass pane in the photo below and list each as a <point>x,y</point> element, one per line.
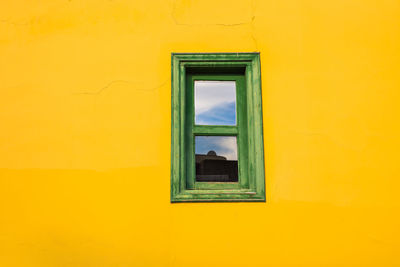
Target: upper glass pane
<point>215,102</point>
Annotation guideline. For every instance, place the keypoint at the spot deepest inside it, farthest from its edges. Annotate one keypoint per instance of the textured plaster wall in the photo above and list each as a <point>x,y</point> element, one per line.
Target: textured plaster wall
<point>85,133</point>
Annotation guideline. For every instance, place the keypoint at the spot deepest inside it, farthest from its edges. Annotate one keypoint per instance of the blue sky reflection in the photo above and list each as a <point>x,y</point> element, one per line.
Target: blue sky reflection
<point>215,102</point>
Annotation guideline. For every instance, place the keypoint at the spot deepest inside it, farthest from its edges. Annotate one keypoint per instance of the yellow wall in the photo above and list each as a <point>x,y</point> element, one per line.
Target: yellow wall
<point>85,133</point>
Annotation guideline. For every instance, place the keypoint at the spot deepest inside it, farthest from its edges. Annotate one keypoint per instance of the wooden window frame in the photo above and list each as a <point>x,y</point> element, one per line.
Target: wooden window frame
<point>244,68</point>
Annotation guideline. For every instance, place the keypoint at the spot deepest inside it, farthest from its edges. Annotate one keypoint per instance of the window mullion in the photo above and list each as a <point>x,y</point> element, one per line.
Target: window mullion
<point>215,130</point>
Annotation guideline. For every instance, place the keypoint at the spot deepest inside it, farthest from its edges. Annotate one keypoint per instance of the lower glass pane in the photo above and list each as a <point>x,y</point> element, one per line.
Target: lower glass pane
<point>216,159</point>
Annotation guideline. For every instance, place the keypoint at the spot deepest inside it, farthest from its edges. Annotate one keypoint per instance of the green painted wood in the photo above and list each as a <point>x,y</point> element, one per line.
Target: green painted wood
<point>243,148</point>
<point>244,68</point>
<point>190,156</point>
<point>182,121</point>
<point>214,130</point>
<point>219,130</point>
<point>175,129</point>
<point>216,185</point>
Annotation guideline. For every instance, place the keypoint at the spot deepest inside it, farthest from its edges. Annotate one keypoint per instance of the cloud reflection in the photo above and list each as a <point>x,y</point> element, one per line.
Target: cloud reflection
<point>215,102</point>
<point>225,146</point>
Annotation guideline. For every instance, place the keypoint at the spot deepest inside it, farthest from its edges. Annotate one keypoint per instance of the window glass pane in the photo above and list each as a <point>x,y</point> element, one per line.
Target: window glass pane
<point>216,159</point>
<point>215,102</point>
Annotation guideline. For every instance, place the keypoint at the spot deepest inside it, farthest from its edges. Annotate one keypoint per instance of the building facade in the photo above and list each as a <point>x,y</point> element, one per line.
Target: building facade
<point>85,140</point>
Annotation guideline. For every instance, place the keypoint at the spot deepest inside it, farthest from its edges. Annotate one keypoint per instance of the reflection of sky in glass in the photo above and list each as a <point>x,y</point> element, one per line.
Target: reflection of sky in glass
<point>215,102</point>
<point>225,146</point>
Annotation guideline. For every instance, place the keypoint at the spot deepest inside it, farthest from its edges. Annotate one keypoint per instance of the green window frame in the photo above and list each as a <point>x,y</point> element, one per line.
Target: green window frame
<point>244,69</point>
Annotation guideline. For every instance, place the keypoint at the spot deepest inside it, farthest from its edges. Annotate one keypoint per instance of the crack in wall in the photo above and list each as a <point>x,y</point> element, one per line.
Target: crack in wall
<point>176,21</point>
<point>10,22</point>
<point>252,34</point>
<point>252,30</point>
<point>103,88</point>
<point>110,84</point>
<point>250,22</point>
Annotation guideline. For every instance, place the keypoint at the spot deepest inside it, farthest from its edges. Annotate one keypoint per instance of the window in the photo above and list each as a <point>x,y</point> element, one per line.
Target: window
<point>217,151</point>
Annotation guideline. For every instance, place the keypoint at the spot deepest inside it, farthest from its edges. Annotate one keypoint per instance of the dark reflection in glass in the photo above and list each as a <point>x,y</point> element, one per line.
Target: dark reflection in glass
<point>215,102</point>
<point>216,159</point>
